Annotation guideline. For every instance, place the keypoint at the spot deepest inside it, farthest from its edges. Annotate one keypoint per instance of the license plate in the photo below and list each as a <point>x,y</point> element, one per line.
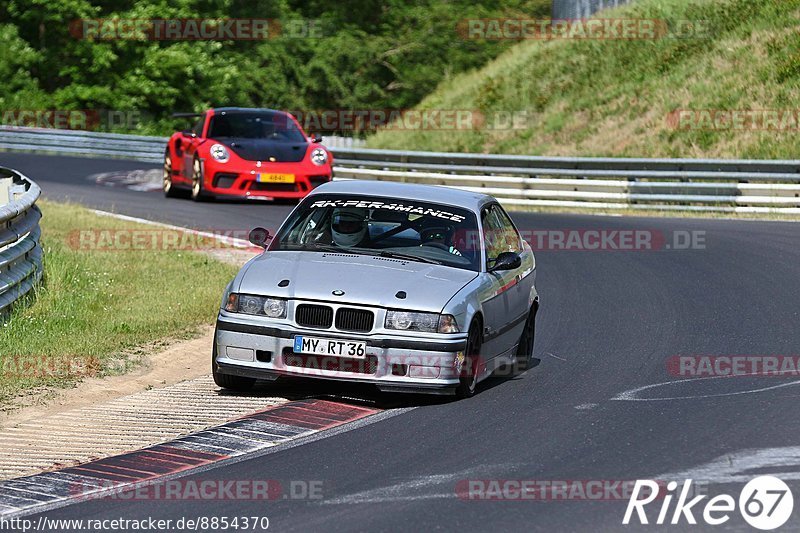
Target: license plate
<point>337,348</point>
<point>276,178</point>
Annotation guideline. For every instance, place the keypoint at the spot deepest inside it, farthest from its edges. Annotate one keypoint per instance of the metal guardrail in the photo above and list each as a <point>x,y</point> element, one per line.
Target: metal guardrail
<point>581,9</point>
<point>721,185</point>
<point>20,252</point>
<point>81,143</point>
<point>717,185</point>
<point>70,142</point>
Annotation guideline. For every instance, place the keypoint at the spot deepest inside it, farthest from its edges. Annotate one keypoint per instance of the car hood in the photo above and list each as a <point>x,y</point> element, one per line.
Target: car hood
<point>365,280</point>
<point>265,150</point>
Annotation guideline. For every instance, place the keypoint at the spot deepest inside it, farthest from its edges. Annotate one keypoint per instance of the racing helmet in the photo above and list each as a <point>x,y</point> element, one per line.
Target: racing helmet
<point>442,234</point>
<point>348,226</point>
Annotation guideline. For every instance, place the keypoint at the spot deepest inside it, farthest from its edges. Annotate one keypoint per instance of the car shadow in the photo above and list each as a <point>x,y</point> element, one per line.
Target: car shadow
<point>504,374</point>
<point>346,392</point>
<point>297,388</point>
<point>290,202</point>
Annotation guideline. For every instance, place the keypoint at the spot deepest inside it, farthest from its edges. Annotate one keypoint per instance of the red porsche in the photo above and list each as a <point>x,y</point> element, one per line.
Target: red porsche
<point>245,153</point>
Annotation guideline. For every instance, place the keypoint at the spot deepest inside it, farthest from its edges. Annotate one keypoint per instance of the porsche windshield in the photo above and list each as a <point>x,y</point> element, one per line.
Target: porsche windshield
<point>255,125</point>
<point>401,229</point>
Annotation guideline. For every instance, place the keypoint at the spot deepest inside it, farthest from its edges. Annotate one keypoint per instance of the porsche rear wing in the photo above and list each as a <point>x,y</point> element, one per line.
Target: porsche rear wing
<point>187,115</point>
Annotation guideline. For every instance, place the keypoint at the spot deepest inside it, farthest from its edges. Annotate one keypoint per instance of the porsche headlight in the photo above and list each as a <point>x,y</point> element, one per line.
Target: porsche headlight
<point>319,156</point>
<point>256,305</point>
<point>219,153</point>
<point>427,322</point>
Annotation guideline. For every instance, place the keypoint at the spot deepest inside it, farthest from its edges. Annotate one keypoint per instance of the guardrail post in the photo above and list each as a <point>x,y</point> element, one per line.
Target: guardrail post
<point>5,191</point>
<point>20,251</point>
<point>15,192</point>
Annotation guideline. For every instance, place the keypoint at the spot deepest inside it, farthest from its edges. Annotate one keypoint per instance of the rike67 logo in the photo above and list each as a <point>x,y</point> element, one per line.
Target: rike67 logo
<point>765,503</point>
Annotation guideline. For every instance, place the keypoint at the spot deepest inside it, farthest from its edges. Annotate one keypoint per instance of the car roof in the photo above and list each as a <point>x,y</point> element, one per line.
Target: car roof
<point>246,110</point>
<point>407,191</point>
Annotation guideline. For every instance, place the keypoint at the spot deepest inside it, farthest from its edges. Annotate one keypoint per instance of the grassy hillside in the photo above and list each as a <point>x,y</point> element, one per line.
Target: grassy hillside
<point>614,98</point>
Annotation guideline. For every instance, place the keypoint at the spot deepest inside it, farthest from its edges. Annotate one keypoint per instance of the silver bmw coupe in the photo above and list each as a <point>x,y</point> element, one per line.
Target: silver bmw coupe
<point>412,288</point>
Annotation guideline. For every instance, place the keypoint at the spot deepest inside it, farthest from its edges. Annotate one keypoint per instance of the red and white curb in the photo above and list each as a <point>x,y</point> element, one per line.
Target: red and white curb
<point>247,435</point>
<point>74,436</point>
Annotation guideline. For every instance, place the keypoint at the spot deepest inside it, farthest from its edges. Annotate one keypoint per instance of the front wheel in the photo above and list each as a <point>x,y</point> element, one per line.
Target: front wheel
<point>198,195</point>
<point>524,356</point>
<point>468,380</point>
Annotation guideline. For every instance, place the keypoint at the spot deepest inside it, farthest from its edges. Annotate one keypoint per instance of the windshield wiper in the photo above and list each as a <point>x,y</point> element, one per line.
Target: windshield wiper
<point>367,251</point>
<point>397,255</point>
<point>323,248</point>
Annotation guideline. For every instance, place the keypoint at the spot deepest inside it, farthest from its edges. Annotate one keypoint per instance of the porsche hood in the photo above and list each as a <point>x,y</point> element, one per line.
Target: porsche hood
<point>267,150</point>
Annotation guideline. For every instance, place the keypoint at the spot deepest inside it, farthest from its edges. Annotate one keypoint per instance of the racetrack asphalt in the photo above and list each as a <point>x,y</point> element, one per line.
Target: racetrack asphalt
<point>609,323</point>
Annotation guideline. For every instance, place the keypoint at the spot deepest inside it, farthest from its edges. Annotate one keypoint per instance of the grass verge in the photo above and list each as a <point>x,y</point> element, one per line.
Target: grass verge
<point>99,311</point>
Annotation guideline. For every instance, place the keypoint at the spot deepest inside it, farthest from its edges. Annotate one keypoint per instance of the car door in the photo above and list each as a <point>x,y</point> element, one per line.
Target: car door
<point>500,306</point>
<point>520,294</point>
<point>190,145</point>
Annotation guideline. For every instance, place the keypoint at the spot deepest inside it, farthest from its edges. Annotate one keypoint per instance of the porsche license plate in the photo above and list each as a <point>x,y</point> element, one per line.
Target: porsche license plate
<point>276,178</point>
<point>337,348</point>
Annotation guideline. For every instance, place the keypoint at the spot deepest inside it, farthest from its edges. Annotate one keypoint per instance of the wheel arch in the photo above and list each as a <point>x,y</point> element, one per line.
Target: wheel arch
<point>478,316</point>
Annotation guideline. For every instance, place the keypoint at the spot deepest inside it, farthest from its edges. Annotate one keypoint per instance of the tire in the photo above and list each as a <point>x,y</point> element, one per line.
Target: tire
<point>166,182</point>
<point>524,355</point>
<point>197,181</point>
<point>468,380</point>
<point>226,381</point>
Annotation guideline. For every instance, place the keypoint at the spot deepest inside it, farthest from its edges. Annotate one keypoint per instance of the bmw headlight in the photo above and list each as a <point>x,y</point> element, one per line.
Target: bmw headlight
<point>426,322</point>
<point>319,156</point>
<point>219,153</point>
<point>256,305</point>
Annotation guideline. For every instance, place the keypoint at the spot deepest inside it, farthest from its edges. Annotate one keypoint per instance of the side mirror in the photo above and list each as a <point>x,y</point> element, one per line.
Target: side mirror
<point>506,261</point>
<point>316,138</point>
<point>259,237</point>
<point>188,133</point>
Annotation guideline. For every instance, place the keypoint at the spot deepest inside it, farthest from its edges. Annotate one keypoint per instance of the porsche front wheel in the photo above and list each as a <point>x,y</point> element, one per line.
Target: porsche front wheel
<point>197,180</point>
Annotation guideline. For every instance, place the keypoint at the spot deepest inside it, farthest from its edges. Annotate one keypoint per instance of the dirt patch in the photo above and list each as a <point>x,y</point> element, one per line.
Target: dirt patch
<point>181,361</point>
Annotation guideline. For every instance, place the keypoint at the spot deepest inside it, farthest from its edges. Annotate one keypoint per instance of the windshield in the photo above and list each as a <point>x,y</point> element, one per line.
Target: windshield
<point>256,125</point>
<point>402,229</point>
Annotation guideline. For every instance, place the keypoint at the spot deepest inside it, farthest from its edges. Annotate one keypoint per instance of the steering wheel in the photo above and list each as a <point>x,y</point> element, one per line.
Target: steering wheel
<point>436,245</point>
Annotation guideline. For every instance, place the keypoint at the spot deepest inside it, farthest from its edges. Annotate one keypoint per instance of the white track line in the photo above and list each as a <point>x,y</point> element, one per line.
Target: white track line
<point>233,241</point>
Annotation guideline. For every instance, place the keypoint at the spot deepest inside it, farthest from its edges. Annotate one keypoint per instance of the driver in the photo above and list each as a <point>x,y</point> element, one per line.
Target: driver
<point>443,236</point>
<point>349,226</point>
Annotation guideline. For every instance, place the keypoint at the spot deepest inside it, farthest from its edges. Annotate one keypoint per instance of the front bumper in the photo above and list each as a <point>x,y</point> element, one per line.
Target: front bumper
<point>242,180</point>
<point>393,363</point>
